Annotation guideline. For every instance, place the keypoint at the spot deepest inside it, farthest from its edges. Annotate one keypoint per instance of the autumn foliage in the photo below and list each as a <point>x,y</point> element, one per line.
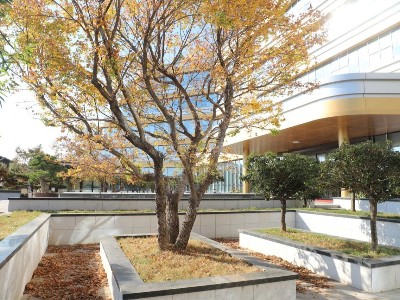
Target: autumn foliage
<point>166,79</point>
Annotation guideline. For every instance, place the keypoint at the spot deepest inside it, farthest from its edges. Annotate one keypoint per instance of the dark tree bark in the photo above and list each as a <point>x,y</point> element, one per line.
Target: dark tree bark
<point>283,214</point>
<point>161,206</point>
<point>173,218</point>
<point>373,205</point>
<point>353,201</point>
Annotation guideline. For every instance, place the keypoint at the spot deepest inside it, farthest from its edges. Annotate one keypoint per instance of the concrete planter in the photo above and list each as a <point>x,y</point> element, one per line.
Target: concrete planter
<point>125,283</point>
<point>45,195</point>
<point>135,202</point>
<point>347,226</point>
<point>389,206</point>
<point>70,229</point>
<point>371,275</point>
<point>20,254</point>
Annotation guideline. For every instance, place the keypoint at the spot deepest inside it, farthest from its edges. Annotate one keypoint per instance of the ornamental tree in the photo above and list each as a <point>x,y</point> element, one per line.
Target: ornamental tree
<point>338,171</point>
<point>41,168</point>
<point>165,79</point>
<point>370,168</point>
<point>281,177</point>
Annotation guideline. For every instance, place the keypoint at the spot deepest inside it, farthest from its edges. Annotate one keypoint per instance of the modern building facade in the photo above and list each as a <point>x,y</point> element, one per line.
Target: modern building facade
<point>358,71</point>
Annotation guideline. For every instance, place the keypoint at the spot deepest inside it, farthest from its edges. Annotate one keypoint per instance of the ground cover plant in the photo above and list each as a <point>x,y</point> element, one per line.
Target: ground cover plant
<point>11,222</point>
<point>198,260</point>
<point>351,247</point>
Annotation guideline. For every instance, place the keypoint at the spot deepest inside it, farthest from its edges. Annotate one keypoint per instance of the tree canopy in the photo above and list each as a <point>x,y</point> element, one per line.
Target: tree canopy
<point>370,168</point>
<point>162,82</point>
<point>41,169</point>
<point>282,177</point>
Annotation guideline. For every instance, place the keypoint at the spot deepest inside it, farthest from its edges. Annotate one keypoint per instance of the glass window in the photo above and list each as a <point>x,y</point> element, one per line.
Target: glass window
<point>386,55</point>
<point>363,59</point>
<point>353,62</point>
<point>373,46</point>
<point>375,60</point>
<point>380,138</point>
<point>396,43</point>
<point>395,139</point>
<point>385,41</point>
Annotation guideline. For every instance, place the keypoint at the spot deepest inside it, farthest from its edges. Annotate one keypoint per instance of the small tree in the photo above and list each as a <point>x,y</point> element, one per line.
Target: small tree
<point>42,168</point>
<point>374,170</point>
<point>280,177</point>
<point>312,185</point>
<point>338,172</point>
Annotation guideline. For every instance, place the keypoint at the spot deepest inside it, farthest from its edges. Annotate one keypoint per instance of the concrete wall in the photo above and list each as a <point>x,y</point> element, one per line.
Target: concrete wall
<point>5,194</point>
<point>125,282</point>
<point>70,229</point>
<point>51,204</point>
<point>351,227</point>
<point>348,271</point>
<point>390,206</point>
<point>20,254</point>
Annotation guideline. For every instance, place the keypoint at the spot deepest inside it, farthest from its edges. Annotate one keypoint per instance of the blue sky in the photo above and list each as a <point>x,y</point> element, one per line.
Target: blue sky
<point>19,126</point>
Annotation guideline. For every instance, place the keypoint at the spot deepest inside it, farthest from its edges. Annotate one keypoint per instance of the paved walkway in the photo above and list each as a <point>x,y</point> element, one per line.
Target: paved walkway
<point>345,292</point>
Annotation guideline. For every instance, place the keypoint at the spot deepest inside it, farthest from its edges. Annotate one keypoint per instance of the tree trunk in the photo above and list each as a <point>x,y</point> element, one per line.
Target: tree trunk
<point>305,204</point>
<point>353,201</point>
<point>173,218</point>
<point>43,185</point>
<point>190,217</point>
<point>283,214</point>
<point>373,206</point>
<point>161,206</point>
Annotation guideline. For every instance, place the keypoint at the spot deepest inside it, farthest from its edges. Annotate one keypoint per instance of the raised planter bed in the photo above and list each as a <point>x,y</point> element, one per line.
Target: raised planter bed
<point>371,275</point>
<point>136,202</point>
<point>348,226</point>
<point>125,282</point>
<point>20,253</point>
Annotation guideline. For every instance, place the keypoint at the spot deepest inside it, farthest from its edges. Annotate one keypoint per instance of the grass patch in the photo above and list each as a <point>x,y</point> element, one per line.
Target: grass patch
<point>355,248</point>
<point>353,213</point>
<point>198,260</point>
<point>11,222</point>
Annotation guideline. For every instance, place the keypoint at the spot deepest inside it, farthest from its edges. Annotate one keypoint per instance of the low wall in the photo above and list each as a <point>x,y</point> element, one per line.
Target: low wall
<point>69,229</point>
<point>346,226</point>
<point>389,206</point>
<point>52,204</point>
<point>5,194</point>
<point>125,283</point>
<point>20,254</point>
<point>371,275</point>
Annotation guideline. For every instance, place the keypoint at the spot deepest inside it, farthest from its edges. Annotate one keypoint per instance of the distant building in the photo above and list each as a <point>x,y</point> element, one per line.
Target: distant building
<point>358,70</point>
<point>5,160</point>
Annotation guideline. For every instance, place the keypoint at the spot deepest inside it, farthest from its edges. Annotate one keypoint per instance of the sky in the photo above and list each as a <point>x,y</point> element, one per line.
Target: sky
<point>20,128</point>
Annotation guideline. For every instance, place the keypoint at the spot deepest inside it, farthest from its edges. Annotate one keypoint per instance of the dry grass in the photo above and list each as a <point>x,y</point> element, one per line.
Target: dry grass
<point>198,260</point>
<point>359,249</point>
<point>11,222</point>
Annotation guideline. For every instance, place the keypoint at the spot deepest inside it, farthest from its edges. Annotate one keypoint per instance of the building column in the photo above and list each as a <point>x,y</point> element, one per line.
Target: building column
<point>246,184</point>
<point>343,136</point>
<point>343,132</point>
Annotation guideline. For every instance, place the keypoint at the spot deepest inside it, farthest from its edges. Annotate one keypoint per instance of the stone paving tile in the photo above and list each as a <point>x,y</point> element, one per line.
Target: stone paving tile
<point>345,292</point>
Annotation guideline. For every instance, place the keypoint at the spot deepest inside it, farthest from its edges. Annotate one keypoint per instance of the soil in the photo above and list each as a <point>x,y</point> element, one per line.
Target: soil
<point>69,272</point>
<point>308,281</point>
